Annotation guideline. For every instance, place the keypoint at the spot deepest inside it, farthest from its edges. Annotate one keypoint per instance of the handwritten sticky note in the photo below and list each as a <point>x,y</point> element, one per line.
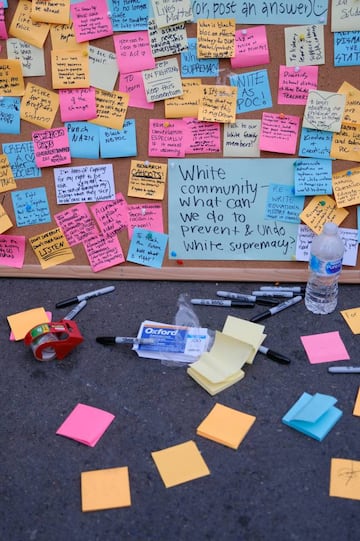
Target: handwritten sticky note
<point>76,223</point>
<point>31,206</point>
<point>3,29</point>
<point>69,69</point>
<point>201,137</point>
<point>279,133</point>
<point>217,103</point>
<point>84,183</point>
<point>282,204</point>
<point>91,20</point>
<point>32,58</point>
<point>251,47</point>
<point>23,27</point>
<point>295,83</point>
<point>324,347</point>
<point>84,140</point>
<point>10,115</point>
<point>226,426</point>
<point>22,159</point>
<point>356,410</point>
<point>7,181</point>
<point>147,247</point>
<point>241,138</point>
<point>352,105</point>
<point>312,176</point>
<point>63,37</point>
<point>192,66</point>
<point>51,248</point>
<point>344,16</point>
<point>345,478</point>
<point>118,143</point>
<point>186,105</point>
<point>346,144</point>
<point>11,78</point>
<point>105,489</point>
<point>85,424</point>
<point>77,104</point>
<point>146,216</point>
<point>216,38</point>
<point>39,106</point>
<point>180,464</point>
<point>111,108</point>
<point>51,11</point>
<point>347,48</point>
<point>304,45</point>
<point>321,209</point>
<point>103,252</point>
<point>253,90</point>
<point>346,186</point>
<point>111,216</point>
<point>5,224</point>
<point>315,143</point>
<point>22,322</point>
<point>166,138</point>
<point>349,237</point>
<point>166,41</point>
<point>352,318</point>
<point>133,84</point>
<point>163,81</point>
<point>103,68</point>
<point>133,52</point>
<point>134,18</point>
<point>51,147</point>
<point>170,12</point>
<point>324,110</point>
<point>12,247</point>
<point>147,179</point>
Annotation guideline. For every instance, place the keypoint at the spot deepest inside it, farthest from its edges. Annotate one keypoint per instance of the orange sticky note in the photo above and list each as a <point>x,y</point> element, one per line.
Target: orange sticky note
<point>322,209</point>
<point>5,222</point>
<point>180,463</point>
<point>111,108</point>
<point>63,37</point>
<point>23,27</point>
<point>352,318</point>
<point>345,478</point>
<point>356,410</point>
<point>70,69</point>
<point>39,106</point>
<point>51,11</point>
<point>51,248</point>
<point>22,322</point>
<point>226,426</point>
<point>105,489</point>
<point>11,78</point>
<point>7,181</point>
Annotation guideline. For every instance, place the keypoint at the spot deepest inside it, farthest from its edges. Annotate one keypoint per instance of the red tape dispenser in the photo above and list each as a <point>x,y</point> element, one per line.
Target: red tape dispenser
<point>54,340</point>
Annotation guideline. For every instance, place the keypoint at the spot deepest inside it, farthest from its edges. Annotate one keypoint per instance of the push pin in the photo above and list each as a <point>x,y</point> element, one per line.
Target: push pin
<point>244,31</point>
<point>281,115</point>
<point>301,37</point>
<point>166,124</point>
<point>296,69</point>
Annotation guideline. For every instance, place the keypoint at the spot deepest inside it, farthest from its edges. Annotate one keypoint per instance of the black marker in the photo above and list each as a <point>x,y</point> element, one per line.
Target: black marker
<point>276,309</point>
<point>85,296</point>
<point>110,340</point>
<point>223,302</point>
<point>274,355</point>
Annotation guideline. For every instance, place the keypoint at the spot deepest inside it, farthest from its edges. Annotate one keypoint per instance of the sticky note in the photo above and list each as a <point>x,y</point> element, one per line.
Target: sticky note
<point>324,347</point>
<point>85,424</point>
<point>226,426</point>
<point>105,489</point>
<point>356,410</point>
<point>345,478</point>
<point>352,318</point>
<point>22,322</point>
<point>180,464</point>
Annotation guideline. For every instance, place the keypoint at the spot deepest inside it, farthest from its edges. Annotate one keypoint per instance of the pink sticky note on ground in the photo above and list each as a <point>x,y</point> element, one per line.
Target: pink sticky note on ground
<point>86,424</point>
<point>324,347</point>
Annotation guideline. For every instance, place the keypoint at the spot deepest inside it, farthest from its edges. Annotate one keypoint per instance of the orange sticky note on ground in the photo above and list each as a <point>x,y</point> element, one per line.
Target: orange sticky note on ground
<point>352,318</point>
<point>345,478</point>
<point>105,489</point>
<point>226,426</point>
<point>356,410</point>
<point>22,322</point>
<point>180,463</point>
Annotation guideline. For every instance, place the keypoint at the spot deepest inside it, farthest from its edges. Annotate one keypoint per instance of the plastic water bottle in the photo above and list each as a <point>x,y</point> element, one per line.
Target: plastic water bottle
<point>325,266</point>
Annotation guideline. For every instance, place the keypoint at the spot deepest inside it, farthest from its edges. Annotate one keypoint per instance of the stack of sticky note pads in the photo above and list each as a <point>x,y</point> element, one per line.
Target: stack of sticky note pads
<point>222,366</point>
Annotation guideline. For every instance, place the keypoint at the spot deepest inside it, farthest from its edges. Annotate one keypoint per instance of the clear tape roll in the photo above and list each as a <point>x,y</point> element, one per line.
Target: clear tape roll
<point>46,354</point>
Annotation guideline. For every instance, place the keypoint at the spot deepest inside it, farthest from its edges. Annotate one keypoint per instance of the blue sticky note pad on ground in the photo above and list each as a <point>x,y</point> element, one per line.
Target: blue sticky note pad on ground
<point>147,247</point>
<point>10,115</point>
<point>347,48</point>
<point>118,143</point>
<point>83,140</point>
<point>22,159</point>
<point>315,143</point>
<point>192,66</point>
<point>313,415</point>
<point>253,90</point>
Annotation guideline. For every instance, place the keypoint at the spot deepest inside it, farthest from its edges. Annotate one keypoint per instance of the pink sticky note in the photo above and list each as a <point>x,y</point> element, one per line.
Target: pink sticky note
<point>324,347</point>
<point>86,424</point>
<point>147,216</point>
<point>167,138</point>
<point>103,252</point>
<point>77,104</point>
<point>201,137</point>
<point>111,216</point>
<point>51,147</point>
<point>295,83</point>
<point>279,133</point>
<point>91,19</point>
<point>12,250</point>
<point>76,223</point>
<point>3,31</point>
<point>133,84</point>
<point>251,48</point>
<point>133,51</point>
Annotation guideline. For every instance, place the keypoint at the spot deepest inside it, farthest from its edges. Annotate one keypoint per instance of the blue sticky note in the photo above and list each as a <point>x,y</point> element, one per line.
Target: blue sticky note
<point>31,207</point>
<point>192,66</point>
<point>347,48</point>
<point>147,247</point>
<point>22,159</point>
<point>253,90</point>
<point>313,415</point>
<point>312,176</point>
<point>130,15</point>
<point>282,204</point>
<point>118,143</point>
<point>84,140</point>
<point>315,143</point>
<point>10,115</point>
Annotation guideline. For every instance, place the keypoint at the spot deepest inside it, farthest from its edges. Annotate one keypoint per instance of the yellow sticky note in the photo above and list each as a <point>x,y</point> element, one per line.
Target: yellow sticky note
<point>322,209</point>
<point>218,103</point>
<point>5,222</point>
<point>11,78</point>
<point>216,38</point>
<point>226,426</point>
<point>7,181</point>
<point>186,105</point>
<point>345,145</point>
<point>105,489</point>
<point>356,410</point>
<point>51,248</point>
<point>22,322</point>
<point>63,37</point>
<point>346,186</point>
<point>345,478</point>
<point>24,28</point>
<point>147,179</point>
<point>111,108</point>
<point>70,69</point>
<point>215,388</point>
<point>180,464</point>
<point>247,331</point>
<point>352,104</point>
<point>39,106</point>
<point>51,11</point>
<point>352,318</point>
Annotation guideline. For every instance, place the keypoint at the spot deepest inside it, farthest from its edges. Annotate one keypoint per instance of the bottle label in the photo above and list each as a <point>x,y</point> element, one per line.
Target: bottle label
<point>325,268</point>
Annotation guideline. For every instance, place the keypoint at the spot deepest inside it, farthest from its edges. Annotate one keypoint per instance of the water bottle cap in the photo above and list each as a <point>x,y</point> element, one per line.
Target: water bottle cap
<point>330,228</point>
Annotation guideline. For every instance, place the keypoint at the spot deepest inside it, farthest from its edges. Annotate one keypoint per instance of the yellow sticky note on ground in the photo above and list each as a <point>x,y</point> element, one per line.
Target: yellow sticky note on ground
<point>180,464</point>
<point>39,106</point>
<point>215,388</point>
<point>320,210</point>
<point>244,330</point>
<point>51,11</point>
<point>70,69</point>
<point>23,27</point>
<point>352,318</point>
<point>105,489</point>
<point>345,478</point>
<point>226,426</point>
<point>356,410</point>
<point>22,322</point>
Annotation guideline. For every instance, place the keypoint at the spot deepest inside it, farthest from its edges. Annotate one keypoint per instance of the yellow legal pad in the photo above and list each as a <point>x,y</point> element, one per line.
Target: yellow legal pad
<point>105,489</point>
<point>180,463</point>
<point>226,426</point>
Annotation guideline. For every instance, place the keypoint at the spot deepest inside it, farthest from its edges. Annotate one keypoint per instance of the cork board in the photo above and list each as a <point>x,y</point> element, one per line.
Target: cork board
<point>330,79</point>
